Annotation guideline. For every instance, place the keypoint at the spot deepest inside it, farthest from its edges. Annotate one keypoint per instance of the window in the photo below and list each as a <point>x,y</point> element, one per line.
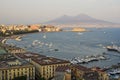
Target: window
<point>2,72</point>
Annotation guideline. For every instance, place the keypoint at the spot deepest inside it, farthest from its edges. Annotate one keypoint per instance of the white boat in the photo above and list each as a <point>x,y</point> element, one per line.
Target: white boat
<point>4,40</point>
<point>18,38</point>
<point>79,33</point>
<point>35,42</point>
<point>39,30</point>
<point>115,72</point>
<point>47,44</point>
<point>50,45</point>
<point>100,45</point>
<point>42,43</point>
<point>113,48</point>
<point>74,62</point>
<point>44,36</point>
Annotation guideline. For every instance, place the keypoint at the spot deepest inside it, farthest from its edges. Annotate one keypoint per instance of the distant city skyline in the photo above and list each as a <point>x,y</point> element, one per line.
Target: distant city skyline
<point>39,11</point>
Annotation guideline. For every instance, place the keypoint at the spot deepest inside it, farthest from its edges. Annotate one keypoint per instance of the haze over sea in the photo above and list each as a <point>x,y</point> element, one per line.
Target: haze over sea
<point>74,44</point>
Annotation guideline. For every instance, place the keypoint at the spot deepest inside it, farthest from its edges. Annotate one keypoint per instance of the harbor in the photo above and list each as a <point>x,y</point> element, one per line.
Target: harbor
<point>88,59</point>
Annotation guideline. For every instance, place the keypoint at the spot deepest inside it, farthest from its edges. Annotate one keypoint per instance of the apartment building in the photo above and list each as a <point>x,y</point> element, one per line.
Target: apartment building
<point>11,67</point>
<point>45,66</point>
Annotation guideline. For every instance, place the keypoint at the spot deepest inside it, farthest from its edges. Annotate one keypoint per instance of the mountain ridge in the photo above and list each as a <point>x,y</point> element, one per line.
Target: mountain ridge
<point>81,18</point>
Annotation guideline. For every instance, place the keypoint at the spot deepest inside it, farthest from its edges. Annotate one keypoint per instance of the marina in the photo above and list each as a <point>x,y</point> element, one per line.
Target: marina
<point>87,59</point>
<point>113,72</point>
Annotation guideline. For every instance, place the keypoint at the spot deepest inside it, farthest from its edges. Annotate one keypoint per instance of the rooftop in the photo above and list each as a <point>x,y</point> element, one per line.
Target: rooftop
<point>49,61</point>
<point>82,68</point>
<point>62,68</point>
<point>97,69</point>
<point>9,61</point>
<point>41,59</point>
<point>29,55</point>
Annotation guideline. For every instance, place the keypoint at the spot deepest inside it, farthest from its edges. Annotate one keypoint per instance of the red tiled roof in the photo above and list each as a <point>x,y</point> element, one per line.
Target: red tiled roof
<point>79,67</point>
<point>49,60</point>
<point>62,68</point>
<point>29,55</point>
<point>41,59</point>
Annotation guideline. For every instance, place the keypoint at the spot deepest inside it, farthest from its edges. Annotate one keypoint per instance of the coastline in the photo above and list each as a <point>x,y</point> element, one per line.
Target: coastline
<point>106,68</point>
<point>13,37</point>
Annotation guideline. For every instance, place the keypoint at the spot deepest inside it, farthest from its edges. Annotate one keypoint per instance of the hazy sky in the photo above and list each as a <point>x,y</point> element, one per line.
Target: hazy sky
<point>37,11</point>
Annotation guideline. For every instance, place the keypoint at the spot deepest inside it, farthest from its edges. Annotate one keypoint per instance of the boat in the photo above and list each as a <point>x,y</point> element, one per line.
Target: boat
<point>44,36</point>
<point>79,33</point>
<point>46,44</point>
<point>113,48</point>
<point>18,38</point>
<point>51,49</point>
<point>87,59</point>
<point>50,45</point>
<point>100,45</point>
<point>4,40</point>
<point>39,30</point>
<point>35,42</point>
<point>116,71</point>
<point>56,50</point>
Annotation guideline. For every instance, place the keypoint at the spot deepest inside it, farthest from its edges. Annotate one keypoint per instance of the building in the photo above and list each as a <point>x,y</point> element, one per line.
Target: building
<point>34,27</point>
<point>50,28</point>
<point>11,67</point>
<point>82,73</point>
<point>79,29</point>
<point>45,66</point>
<point>102,74</point>
<point>63,73</point>
<point>78,72</point>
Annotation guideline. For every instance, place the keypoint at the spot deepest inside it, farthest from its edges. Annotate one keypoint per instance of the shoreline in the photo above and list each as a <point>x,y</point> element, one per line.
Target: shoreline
<point>7,45</point>
<point>14,36</point>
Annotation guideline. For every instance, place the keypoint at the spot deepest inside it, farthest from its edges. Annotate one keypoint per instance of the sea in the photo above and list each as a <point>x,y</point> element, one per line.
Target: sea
<point>68,45</point>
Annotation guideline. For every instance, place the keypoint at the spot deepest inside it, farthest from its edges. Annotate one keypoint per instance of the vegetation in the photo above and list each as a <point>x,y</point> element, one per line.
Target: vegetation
<point>42,78</point>
<point>10,33</point>
<point>38,77</point>
<point>23,32</point>
<point>20,78</point>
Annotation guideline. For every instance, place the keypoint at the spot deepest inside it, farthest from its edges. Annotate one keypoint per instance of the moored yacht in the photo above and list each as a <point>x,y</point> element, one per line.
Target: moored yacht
<point>18,38</point>
<point>113,48</point>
